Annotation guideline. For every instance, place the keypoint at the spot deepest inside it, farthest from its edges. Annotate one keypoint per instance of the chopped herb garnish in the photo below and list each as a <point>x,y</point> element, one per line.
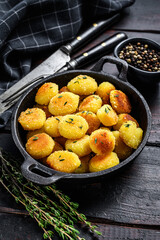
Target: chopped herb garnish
<point>61,159</point>
<point>127,125</point>
<point>65,103</point>
<point>51,87</point>
<point>59,156</point>
<point>84,77</point>
<point>95,140</point>
<point>101,142</point>
<point>57,119</point>
<point>117,95</point>
<point>29,112</point>
<point>71,120</point>
<point>74,141</point>
<point>60,96</point>
<point>80,126</point>
<point>76,82</point>
<point>35,138</point>
<point>70,150</point>
<point>106,110</point>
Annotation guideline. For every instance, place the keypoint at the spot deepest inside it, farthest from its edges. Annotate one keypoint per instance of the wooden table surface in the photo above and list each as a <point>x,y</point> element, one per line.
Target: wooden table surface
<point>126,207</point>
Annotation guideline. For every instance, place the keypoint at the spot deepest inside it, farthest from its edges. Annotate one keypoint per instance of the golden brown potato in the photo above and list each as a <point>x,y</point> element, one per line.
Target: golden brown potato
<point>120,102</point>
<point>131,134</point>
<point>51,126</point>
<point>122,118</point>
<point>82,85</point>
<point>73,126</point>
<point>34,132</point>
<point>103,162</point>
<point>64,89</point>
<point>63,161</point>
<point>102,141</point>
<point>91,103</point>
<point>40,145</point>
<point>107,116</point>
<point>45,93</point>
<point>32,119</point>
<point>104,90</point>
<point>84,167</point>
<point>63,103</point>
<point>91,119</point>
<point>80,146</point>
<point>45,109</point>
<point>123,151</point>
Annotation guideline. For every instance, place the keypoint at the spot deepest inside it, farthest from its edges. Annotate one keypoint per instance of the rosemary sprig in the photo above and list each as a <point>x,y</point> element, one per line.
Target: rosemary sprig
<point>52,210</point>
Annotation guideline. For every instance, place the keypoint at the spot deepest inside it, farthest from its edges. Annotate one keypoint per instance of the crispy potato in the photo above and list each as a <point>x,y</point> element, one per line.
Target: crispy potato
<point>51,126</point>
<point>122,118</point>
<point>32,119</point>
<point>80,146</point>
<point>63,103</point>
<point>120,102</point>
<point>103,162</point>
<point>123,151</point>
<point>107,116</point>
<point>82,85</point>
<point>40,145</point>
<point>64,89</point>
<point>73,126</point>
<point>45,109</point>
<point>63,161</point>
<point>91,103</point>
<point>91,119</point>
<point>102,141</point>
<point>84,167</point>
<point>46,92</point>
<point>34,132</point>
<point>103,91</point>
<point>131,134</point>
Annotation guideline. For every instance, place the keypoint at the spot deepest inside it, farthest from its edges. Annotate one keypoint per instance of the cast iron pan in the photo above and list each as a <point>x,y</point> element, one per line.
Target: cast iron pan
<point>37,172</point>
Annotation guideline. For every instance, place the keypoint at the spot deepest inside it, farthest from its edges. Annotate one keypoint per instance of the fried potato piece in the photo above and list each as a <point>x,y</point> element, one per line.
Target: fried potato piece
<point>80,146</point>
<point>120,102</point>
<point>45,109</point>
<point>40,145</point>
<point>123,151</point>
<point>63,161</point>
<point>82,85</point>
<point>46,92</point>
<point>34,132</point>
<point>51,126</point>
<point>91,119</point>
<point>104,90</point>
<point>122,118</point>
<point>64,89</point>
<point>102,141</point>
<point>91,103</point>
<point>84,167</point>
<point>131,134</point>
<point>103,162</point>
<point>63,103</point>
<point>72,126</point>
<point>107,115</point>
<point>32,118</point>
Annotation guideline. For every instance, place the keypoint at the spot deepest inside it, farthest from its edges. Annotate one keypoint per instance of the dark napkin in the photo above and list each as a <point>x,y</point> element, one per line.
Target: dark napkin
<point>33,29</point>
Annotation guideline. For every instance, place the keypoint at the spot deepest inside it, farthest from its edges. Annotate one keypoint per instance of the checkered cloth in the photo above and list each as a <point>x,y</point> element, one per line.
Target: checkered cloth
<point>33,29</point>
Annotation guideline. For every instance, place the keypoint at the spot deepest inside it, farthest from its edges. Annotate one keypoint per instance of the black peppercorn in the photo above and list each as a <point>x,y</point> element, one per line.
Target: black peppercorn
<point>141,56</point>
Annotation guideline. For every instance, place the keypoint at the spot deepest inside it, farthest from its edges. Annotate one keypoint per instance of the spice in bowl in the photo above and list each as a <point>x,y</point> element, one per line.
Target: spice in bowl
<point>141,56</point>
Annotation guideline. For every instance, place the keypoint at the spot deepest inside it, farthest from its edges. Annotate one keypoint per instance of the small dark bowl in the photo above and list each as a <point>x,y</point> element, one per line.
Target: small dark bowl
<point>135,75</point>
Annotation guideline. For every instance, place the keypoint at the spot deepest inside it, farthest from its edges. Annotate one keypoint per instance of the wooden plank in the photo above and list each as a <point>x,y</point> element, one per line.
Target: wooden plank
<point>141,18</point>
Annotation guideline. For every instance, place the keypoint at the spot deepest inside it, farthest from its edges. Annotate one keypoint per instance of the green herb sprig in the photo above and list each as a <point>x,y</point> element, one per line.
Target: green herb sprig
<point>52,210</point>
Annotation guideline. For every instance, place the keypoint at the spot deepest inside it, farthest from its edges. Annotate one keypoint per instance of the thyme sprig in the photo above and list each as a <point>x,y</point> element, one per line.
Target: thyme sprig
<point>52,210</point>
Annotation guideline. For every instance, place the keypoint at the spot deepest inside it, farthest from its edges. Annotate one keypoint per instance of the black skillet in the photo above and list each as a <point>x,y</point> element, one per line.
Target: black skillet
<point>33,170</point>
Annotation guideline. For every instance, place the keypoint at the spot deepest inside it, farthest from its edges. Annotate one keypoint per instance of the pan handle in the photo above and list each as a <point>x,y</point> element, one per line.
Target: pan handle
<point>122,65</point>
<point>40,174</point>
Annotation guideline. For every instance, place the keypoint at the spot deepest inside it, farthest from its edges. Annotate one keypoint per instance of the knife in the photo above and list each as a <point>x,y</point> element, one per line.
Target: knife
<point>57,60</point>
